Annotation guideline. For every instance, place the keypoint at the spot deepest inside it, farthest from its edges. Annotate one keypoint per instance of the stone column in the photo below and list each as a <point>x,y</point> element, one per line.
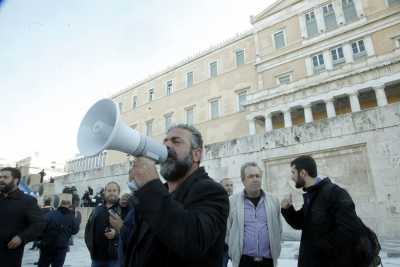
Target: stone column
<point>348,53</point>
<point>308,116</point>
<point>268,123</point>
<point>260,81</point>
<point>252,126</point>
<point>380,95</point>
<point>330,108</point>
<point>354,102</point>
<point>287,118</point>
<point>320,20</point>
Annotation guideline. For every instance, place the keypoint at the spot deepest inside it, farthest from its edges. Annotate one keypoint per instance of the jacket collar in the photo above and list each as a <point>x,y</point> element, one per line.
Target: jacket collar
<point>318,185</point>
<point>16,194</point>
<point>181,191</point>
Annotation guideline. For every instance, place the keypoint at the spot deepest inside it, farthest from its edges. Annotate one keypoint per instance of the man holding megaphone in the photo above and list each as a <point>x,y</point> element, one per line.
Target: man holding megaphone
<point>180,223</point>
<point>183,222</point>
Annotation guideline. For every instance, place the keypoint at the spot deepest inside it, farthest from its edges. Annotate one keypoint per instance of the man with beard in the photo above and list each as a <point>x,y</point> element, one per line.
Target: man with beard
<point>21,219</point>
<point>254,225</point>
<point>227,184</point>
<point>183,222</point>
<point>100,238</point>
<point>331,230</point>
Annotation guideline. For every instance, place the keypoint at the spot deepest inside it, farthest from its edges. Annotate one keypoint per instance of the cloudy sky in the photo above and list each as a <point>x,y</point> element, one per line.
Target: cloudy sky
<point>57,57</point>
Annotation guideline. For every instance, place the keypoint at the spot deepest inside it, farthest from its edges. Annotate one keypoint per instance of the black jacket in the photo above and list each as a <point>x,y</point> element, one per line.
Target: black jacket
<point>99,246</point>
<point>330,227</point>
<point>20,215</point>
<point>61,225</point>
<point>186,228</point>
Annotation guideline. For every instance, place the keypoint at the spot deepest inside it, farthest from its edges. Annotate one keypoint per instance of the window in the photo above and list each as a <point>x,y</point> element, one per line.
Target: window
<point>318,63</point>
<point>337,55</point>
<point>168,121</point>
<point>279,39</point>
<point>190,116</point>
<point>349,10</point>
<point>393,2</point>
<point>358,49</point>
<point>214,108</point>
<point>329,17</point>
<point>213,69</point>
<point>311,24</point>
<point>242,96</point>
<point>284,78</point>
<point>151,95</point>
<point>168,89</point>
<point>134,102</point>
<point>189,79</point>
<point>397,42</point>
<point>239,57</point>
<point>120,106</point>
<point>149,127</point>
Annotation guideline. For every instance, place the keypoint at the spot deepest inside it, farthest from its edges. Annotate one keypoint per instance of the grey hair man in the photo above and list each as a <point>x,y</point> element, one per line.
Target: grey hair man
<point>254,226</point>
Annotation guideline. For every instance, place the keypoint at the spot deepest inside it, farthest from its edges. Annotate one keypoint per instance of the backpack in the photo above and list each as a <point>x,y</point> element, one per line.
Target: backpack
<point>369,247</point>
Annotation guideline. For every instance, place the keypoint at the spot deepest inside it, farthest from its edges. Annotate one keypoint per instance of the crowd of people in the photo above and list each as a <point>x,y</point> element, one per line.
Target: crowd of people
<point>190,220</point>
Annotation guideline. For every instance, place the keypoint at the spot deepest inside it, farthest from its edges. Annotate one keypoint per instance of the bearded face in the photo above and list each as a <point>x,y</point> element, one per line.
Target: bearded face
<point>111,193</point>
<point>297,179</point>
<point>174,168</point>
<point>7,182</point>
<point>300,182</point>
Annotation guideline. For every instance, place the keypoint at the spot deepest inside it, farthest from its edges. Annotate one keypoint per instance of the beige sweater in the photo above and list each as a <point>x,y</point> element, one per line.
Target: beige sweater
<point>235,226</point>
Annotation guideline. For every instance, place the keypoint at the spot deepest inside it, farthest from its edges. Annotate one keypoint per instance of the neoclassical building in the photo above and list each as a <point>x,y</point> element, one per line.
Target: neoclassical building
<point>309,77</point>
<point>301,61</point>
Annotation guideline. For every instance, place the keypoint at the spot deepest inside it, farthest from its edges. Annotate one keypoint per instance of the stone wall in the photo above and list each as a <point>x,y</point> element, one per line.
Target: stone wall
<point>96,179</point>
<point>360,151</point>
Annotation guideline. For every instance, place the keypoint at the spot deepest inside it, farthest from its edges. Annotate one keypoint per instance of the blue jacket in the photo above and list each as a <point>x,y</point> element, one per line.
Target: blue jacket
<point>61,225</point>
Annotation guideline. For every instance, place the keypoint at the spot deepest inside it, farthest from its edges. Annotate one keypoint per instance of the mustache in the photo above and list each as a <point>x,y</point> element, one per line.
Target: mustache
<point>172,154</point>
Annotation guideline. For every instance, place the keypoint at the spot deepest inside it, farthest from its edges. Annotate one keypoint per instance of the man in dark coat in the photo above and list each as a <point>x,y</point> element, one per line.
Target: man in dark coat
<point>182,223</point>
<point>61,225</point>
<point>101,239</point>
<point>331,229</point>
<point>21,218</point>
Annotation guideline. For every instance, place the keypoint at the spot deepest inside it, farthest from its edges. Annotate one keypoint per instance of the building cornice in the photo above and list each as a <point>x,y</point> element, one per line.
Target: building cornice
<point>319,80</point>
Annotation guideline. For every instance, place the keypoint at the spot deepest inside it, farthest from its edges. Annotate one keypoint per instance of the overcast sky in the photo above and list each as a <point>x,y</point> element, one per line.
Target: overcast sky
<point>58,57</point>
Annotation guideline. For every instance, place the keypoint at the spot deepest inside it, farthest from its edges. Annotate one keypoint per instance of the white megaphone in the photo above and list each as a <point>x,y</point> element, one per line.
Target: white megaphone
<point>102,128</point>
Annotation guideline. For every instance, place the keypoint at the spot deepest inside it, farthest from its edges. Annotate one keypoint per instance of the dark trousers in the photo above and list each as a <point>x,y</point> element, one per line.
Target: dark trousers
<point>247,261</point>
<point>225,257</point>
<point>54,258</point>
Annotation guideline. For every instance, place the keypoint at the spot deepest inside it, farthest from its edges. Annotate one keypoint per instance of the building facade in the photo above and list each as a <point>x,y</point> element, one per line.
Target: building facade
<point>310,77</point>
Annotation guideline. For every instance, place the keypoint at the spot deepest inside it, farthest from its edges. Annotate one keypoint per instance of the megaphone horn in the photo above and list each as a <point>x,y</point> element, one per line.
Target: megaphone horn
<point>102,128</point>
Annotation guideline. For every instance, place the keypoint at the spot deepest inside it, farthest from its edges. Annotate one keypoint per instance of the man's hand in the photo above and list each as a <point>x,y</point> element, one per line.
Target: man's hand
<point>15,242</point>
<point>116,222</point>
<point>110,234</point>
<point>144,170</point>
<point>287,202</point>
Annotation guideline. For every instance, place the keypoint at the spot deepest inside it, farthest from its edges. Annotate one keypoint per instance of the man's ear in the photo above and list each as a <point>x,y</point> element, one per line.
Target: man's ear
<point>303,173</point>
<point>196,154</point>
